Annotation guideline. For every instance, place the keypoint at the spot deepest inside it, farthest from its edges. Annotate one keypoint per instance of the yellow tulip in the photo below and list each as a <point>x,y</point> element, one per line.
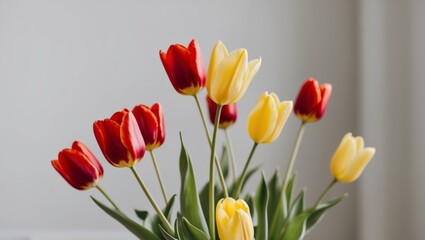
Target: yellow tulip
<point>229,74</point>
<point>266,120</point>
<point>350,158</point>
<point>234,220</point>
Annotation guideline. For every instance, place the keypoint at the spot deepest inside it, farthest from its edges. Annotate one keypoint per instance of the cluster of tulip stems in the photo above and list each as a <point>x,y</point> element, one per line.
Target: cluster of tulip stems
<point>218,208</point>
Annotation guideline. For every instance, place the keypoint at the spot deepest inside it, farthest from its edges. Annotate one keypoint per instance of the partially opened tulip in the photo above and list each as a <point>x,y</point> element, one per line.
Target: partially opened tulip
<point>234,220</point>
<point>120,139</point>
<point>184,67</point>
<point>228,116</point>
<point>266,120</point>
<point>312,100</point>
<point>229,74</point>
<point>151,124</point>
<point>78,166</point>
<point>350,158</point>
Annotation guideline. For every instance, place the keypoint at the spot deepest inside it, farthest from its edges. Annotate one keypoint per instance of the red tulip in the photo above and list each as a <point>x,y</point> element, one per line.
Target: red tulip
<point>184,67</point>
<point>228,115</point>
<point>78,166</point>
<point>151,124</point>
<point>312,100</point>
<point>120,139</point>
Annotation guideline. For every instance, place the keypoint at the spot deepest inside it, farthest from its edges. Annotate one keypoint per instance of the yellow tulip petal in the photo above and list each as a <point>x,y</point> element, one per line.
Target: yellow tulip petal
<point>228,78</point>
<point>343,155</point>
<point>359,143</point>
<point>253,67</point>
<point>284,110</point>
<point>262,119</point>
<point>355,169</point>
<point>219,52</point>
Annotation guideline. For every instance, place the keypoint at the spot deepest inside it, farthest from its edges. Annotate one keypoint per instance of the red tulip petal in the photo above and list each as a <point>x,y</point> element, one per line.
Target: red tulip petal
<point>326,90</point>
<point>131,137</point>
<point>157,110</point>
<point>147,122</point>
<point>107,133</point>
<point>79,146</point>
<point>308,98</point>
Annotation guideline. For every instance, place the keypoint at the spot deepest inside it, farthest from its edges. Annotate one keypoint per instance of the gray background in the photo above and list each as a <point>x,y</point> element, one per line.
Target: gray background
<point>65,64</point>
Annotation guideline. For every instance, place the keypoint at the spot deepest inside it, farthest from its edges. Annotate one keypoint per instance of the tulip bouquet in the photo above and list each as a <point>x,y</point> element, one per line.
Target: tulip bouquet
<point>220,209</point>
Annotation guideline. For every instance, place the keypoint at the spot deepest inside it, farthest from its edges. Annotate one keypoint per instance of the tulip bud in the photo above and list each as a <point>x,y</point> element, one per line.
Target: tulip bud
<point>78,166</point>
<point>266,120</point>
<point>120,139</point>
<point>350,158</point>
<point>228,115</point>
<point>151,124</point>
<point>184,67</point>
<point>312,100</point>
<point>234,220</point>
<point>229,75</point>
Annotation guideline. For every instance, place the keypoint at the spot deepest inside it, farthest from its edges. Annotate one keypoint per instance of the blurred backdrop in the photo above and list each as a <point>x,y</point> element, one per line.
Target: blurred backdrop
<point>65,64</point>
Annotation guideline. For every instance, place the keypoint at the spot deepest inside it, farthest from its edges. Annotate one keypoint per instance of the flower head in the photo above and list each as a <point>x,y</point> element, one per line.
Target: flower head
<point>120,139</point>
<point>229,74</point>
<point>312,100</point>
<point>234,220</point>
<point>184,67</point>
<point>151,124</point>
<point>266,120</point>
<point>228,116</point>
<point>78,166</point>
<point>350,158</point>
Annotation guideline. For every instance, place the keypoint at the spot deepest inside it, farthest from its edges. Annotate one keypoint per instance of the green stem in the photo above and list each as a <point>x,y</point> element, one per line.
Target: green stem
<point>164,194</point>
<point>211,201</point>
<point>107,197</point>
<point>217,163</point>
<point>158,211</point>
<point>293,156</point>
<point>324,193</point>
<point>232,154</point>
<point>245,169</point>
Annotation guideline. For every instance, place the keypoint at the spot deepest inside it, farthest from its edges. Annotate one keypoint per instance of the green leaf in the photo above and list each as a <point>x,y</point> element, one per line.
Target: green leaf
<point>154,221</point>
<point>204,198</point>
<point>166,235</point>
<point>298,206</point>
<point>295,230</point>
<point>289,190</point>
<point>138,230</point>
<point>190,205</point>
<point>319,212</point>
<point>142,214</point>
<point>195,232</point>
<point>261,200</point>
<point>275,210</point>
<point>185,230</point>
<point>224,162</point>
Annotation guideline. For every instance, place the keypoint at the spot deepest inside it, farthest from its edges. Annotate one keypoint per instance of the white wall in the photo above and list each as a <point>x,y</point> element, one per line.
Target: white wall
<point>65,64</point>
<point>391,106</point>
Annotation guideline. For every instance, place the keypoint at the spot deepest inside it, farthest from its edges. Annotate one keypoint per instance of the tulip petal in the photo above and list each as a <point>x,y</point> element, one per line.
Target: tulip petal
<point>262,119</point>
<point>343,155</point>
<point>219,52</point>
<point>157,110</point>
<point>253,67</point>
<point>228,78</point>
<point>148,124</point>
<point>325,92</point>
<point>360,161</point>
<point>79,146</point>
<point>76,169</point>
<point>107,133</point>
<point>132,138</point>
<point>284,110</point>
